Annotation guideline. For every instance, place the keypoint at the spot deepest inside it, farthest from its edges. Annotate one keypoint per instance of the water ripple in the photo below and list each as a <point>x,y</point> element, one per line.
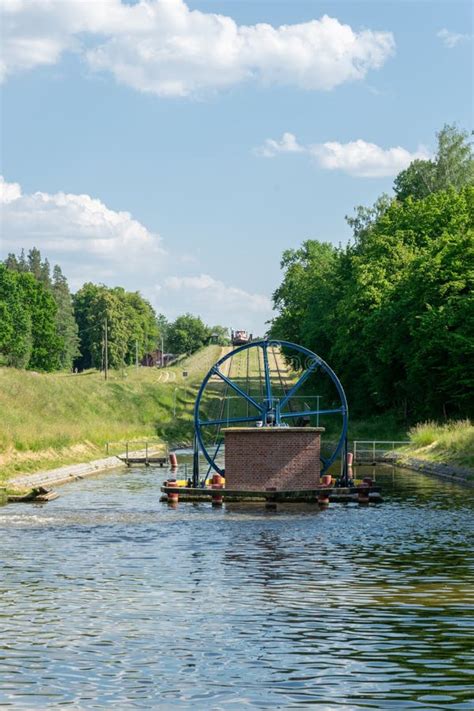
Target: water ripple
<point>109,597</point>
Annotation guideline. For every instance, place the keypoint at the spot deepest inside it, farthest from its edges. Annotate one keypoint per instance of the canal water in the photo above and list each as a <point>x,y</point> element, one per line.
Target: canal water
<point>109,597</point>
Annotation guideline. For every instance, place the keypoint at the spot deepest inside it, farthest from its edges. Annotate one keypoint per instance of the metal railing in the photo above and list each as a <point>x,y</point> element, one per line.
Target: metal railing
<point>149,445</point>
<point>375,449</point>
<point>276,400</point>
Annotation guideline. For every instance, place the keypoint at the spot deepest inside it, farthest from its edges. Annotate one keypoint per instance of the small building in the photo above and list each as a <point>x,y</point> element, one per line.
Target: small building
<point>154,359</point>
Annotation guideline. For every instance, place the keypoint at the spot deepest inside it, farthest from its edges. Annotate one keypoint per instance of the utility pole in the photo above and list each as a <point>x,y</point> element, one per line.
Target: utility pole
<point>136,354</point>
<point>106,371</point>
<point>162,349</point>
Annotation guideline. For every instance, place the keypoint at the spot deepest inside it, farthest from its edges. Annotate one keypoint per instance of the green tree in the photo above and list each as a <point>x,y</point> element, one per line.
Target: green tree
<point>142,325</point>
<point>28,335</point>
<point>65,321</point>
<point>16,342</point>
<point>454,160</point>
<point>47,343</point>
<point>306,295</point>
<point>452,167</point>
<point>130,319</point>
<point>220,335</point>
<point>45,274</point>
<point>66,326</point>
<point>416,181</point>
<point>34,263</point>
<point>393,311</point>
<point>12,263</point>
<point>163,325</point>
<point>22,263</point>
<point>187,334</point>
<point>94,308</point>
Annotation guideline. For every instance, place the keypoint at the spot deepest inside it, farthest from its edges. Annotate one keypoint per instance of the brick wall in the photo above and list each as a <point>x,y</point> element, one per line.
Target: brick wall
<point>284,458</point>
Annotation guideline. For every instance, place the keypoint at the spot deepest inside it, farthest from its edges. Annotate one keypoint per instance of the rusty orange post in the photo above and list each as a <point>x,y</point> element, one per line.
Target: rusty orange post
<point>173,497</point>
<point>217,483</point>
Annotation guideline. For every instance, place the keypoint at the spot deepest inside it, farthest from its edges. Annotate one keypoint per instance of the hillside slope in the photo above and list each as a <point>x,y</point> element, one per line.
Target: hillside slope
<point>47,420</point>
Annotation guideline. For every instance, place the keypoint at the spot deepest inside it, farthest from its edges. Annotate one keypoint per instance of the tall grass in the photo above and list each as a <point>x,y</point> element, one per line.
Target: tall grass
<point>51,419</point>
<point>450,442</point>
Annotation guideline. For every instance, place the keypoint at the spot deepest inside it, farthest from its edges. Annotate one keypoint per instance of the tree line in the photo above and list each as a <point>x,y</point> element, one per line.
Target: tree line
<point>43,326</point>
<point>393,311</point>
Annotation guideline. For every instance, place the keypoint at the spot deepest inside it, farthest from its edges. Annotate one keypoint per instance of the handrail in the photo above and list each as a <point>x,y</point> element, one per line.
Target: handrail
<point>373,449</point>
<point>382,441</point>
<point>150,442</point>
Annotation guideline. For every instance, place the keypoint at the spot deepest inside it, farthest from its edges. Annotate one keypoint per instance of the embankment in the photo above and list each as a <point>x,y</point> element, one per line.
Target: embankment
<point>63,475</point>
<point>445,450</point>
<point>48,420</point>
<point>444,470</point>
<point>68,473</point>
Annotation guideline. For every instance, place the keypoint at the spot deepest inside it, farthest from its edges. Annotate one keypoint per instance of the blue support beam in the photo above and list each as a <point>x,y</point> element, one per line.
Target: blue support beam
<point>231,420</point>
<point>303,413</point>
<point>310,370</point>
<point>236,388</point>
<point>211,464</point>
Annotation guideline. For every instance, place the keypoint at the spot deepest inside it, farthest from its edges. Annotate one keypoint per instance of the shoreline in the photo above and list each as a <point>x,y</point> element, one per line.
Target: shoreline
<point>67,473</point>
<point>74,472</point>
<point>443,470</point>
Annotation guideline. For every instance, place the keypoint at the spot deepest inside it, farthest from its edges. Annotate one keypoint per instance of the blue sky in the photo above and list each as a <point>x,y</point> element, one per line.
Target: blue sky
<point>94,126</point>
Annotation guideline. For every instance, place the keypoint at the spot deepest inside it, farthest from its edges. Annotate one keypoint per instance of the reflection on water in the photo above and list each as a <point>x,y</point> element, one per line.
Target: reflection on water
<point>108,596</point>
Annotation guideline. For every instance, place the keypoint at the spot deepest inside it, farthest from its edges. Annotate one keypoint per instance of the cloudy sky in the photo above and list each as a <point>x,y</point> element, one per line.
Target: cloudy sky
<point>178,148</point>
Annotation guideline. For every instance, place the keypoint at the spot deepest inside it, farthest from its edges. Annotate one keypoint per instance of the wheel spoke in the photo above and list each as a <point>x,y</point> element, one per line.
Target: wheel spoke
<point>302,413</point>
<point>211,463</point>
<point>238,390</point>
<point>309,371</point>
<point>231,420</point>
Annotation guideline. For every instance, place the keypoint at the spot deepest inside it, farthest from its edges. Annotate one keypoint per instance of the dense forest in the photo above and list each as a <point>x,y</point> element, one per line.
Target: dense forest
<point>44,327</point>
<point>393,311</point>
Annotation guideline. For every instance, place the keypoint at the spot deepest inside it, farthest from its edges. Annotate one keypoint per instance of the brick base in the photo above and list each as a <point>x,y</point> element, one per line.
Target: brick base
<point>280,458</point>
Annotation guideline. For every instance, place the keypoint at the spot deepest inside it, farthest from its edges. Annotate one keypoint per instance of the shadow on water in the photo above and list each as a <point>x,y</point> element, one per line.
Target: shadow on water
<point>108,596</point>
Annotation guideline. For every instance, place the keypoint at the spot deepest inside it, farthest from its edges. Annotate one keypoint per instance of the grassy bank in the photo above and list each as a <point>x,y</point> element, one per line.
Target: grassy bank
<point>451,443</point>
<point>48,420</point>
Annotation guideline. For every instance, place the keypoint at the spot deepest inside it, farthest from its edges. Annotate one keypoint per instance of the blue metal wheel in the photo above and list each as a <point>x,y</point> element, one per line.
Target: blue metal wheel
<point>268,398</point>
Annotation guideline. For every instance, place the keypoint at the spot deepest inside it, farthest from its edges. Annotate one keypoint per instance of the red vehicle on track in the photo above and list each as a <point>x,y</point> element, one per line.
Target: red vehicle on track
<point>240,338</point>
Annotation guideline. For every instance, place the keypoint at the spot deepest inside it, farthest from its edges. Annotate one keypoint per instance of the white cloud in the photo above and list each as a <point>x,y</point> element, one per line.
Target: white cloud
<point>37,32</point>
<point>452,39</point>
<point>286,144</point>
<point>163,47</point>
<point>365,160</point>
<point>222,302</point>
<point>8,191</point>
<point>357,158</point>
<point>94,243</point>
<point>79,232</point>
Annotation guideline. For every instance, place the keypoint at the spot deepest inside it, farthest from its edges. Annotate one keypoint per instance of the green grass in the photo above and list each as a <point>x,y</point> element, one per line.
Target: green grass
<point>47,420</point>
<point>452,442</point>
